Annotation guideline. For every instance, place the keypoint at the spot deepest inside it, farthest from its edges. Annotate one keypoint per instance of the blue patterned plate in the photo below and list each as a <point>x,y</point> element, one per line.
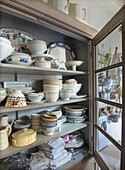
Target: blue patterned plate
<point>19,39</point>
<point>53,50</point>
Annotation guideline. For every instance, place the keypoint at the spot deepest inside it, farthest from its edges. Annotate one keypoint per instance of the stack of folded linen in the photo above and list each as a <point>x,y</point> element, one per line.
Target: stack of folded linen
<point>54,150</point>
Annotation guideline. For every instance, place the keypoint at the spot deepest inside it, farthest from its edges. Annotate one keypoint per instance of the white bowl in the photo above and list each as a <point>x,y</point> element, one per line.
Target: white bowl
<point>56,112</point>
<point>65,94</point>
<point>43,64</point>
<point>48,130</point>
<point>52,97</point>
<point>52,82</point>
<point>20,59</point>
<point>73,64</point>
<point>5,48</point>
<point>50,87</point>
<point>71,81</point>
<point>51,91</point>
<point>74,87</point>
<point>37,47</point>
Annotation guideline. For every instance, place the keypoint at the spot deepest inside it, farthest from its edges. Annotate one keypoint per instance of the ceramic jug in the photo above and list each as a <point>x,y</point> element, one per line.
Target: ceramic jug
<point>77,12</point>
<point>4,120</point>
<point>62,5</point>
<point>4,133</point>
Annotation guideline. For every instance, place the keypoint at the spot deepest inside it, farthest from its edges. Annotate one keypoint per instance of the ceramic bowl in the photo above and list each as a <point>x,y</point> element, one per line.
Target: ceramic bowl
<point>16,99</point>
<point>35,97</point>
<point>35,117</point>
<point>48,130</point>
<point>73,64</point>
<point>74,87</point>
<point>20,124</point>
<point>52,91</point>
<point>43,64</point>
<point>2,94</point>
<point>50,87</point>
<point>65,94</point>
<point>52,82</point>
<point>5,48</point>
<point>37,47</point>
<point>20,59</point>
<point>71,81</point>
<point>75,109</point>
<point>56,112</point>
<point>51,97</point>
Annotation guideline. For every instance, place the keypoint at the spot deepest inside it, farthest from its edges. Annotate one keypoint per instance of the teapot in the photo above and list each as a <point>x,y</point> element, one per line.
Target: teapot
<point>4,133</point>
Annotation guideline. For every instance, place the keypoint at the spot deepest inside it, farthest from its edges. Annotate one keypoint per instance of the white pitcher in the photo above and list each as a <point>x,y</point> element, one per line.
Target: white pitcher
<point>60,4</point>
<point>4,120</point>
<point>77,12</point>
<point>4,133</point>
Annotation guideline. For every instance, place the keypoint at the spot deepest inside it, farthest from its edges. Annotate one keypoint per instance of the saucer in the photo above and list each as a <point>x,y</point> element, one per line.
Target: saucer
<point>41,102</point>
<point>78,96</point>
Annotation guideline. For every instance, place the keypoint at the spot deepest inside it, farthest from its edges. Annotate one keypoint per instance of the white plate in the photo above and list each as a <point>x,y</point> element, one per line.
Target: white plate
<point>78,96</point>
<point>18,38</point>
<point>61,52</point>
<point>41,102</point>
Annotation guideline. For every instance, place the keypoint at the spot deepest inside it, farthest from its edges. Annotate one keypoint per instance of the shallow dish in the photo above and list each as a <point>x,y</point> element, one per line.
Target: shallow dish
<point>42,57</point>
<point>73,64</point>
<point>78,96</point>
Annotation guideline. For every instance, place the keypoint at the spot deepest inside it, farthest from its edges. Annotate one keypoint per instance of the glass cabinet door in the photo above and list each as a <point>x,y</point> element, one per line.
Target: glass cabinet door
<point>108,100</point>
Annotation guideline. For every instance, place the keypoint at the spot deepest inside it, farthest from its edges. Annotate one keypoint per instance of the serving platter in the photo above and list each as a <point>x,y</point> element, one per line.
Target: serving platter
<point>78,96</point>
<point>66,53</point>
<point>19,39</point>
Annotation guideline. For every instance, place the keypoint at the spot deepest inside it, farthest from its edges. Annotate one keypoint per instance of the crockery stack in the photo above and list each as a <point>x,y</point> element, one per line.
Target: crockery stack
<point>75,113</point>
<point>49,123</point>
<point>35,120</point>
<point>51,89</point>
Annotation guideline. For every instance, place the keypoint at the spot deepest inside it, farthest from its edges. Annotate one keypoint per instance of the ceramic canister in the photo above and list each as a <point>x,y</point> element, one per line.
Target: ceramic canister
<point>4,133</point>
<point>4,120</point>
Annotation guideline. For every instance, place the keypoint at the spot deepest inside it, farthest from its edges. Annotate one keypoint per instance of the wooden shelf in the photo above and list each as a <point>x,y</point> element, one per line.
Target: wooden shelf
<point>30,70</point>
<point>37,106</point>
<point>66,129</point>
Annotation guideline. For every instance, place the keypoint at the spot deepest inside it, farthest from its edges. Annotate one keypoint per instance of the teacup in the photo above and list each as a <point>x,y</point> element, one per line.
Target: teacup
<point>35,97</point>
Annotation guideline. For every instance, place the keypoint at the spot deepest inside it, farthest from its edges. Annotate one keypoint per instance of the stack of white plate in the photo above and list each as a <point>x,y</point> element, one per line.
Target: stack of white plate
<point>51,89</point>
<point>75,113</point>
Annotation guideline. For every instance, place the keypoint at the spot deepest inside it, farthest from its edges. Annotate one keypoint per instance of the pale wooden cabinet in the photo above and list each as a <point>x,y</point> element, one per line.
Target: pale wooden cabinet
<point>51,25</point>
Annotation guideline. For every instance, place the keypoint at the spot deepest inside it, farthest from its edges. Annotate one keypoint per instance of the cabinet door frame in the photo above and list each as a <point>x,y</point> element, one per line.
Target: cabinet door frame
<point>118,19</point>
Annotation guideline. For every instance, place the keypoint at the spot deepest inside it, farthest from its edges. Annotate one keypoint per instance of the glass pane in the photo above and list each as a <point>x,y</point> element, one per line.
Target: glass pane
<point>109,50</point>
<point>108,152</point>
<point>109,118</point>
<point>109,85</point>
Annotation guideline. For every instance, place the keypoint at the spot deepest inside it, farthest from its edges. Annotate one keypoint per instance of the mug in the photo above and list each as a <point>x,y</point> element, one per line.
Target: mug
<point>4,120</point>
<point>77,12</point>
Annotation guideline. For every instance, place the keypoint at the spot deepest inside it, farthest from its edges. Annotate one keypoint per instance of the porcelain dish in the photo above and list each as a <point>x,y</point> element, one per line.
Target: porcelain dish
<point>61,52</point>
<point>35,97</point>
<point>74,87</point>
<point>73,64</point>
<point>20,59</point>
<point>5,48</point>
<point>24,137</point>
<point>42,57</point>
<point>19,39</point>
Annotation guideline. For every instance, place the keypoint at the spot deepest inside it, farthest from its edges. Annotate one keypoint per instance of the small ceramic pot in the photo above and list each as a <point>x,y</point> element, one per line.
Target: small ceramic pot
<point>48,130</point>
<point>35,97</point>
<point>37,47</point>
<point>2,94</point>
<point>21,124</point>
<point>65,94</point>
<point>43,64</point>
<point>51,97</point>
<point>5,48</point>
<point>20,59</point>
<point>24,137</point>
<point>16,99</point>
<point>56,112</point>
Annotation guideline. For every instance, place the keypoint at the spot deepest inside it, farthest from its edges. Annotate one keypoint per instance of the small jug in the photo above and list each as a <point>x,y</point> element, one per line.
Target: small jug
<point>4,120</point>
<point>77,12</point>
<point>4,133</point>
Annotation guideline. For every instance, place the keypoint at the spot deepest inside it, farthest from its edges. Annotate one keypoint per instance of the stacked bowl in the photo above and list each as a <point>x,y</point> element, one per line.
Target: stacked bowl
<point>71,84</point>
<point>49,123</point>
<point>51,89</point>
<point>75,113</point>
<point>35,121</point>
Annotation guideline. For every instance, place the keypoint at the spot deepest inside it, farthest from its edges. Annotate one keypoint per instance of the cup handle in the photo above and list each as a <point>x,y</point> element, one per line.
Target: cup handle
<point>84,13</point>
<point>67,5</point>
<point>8,130</point>
<point>12,120</point>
